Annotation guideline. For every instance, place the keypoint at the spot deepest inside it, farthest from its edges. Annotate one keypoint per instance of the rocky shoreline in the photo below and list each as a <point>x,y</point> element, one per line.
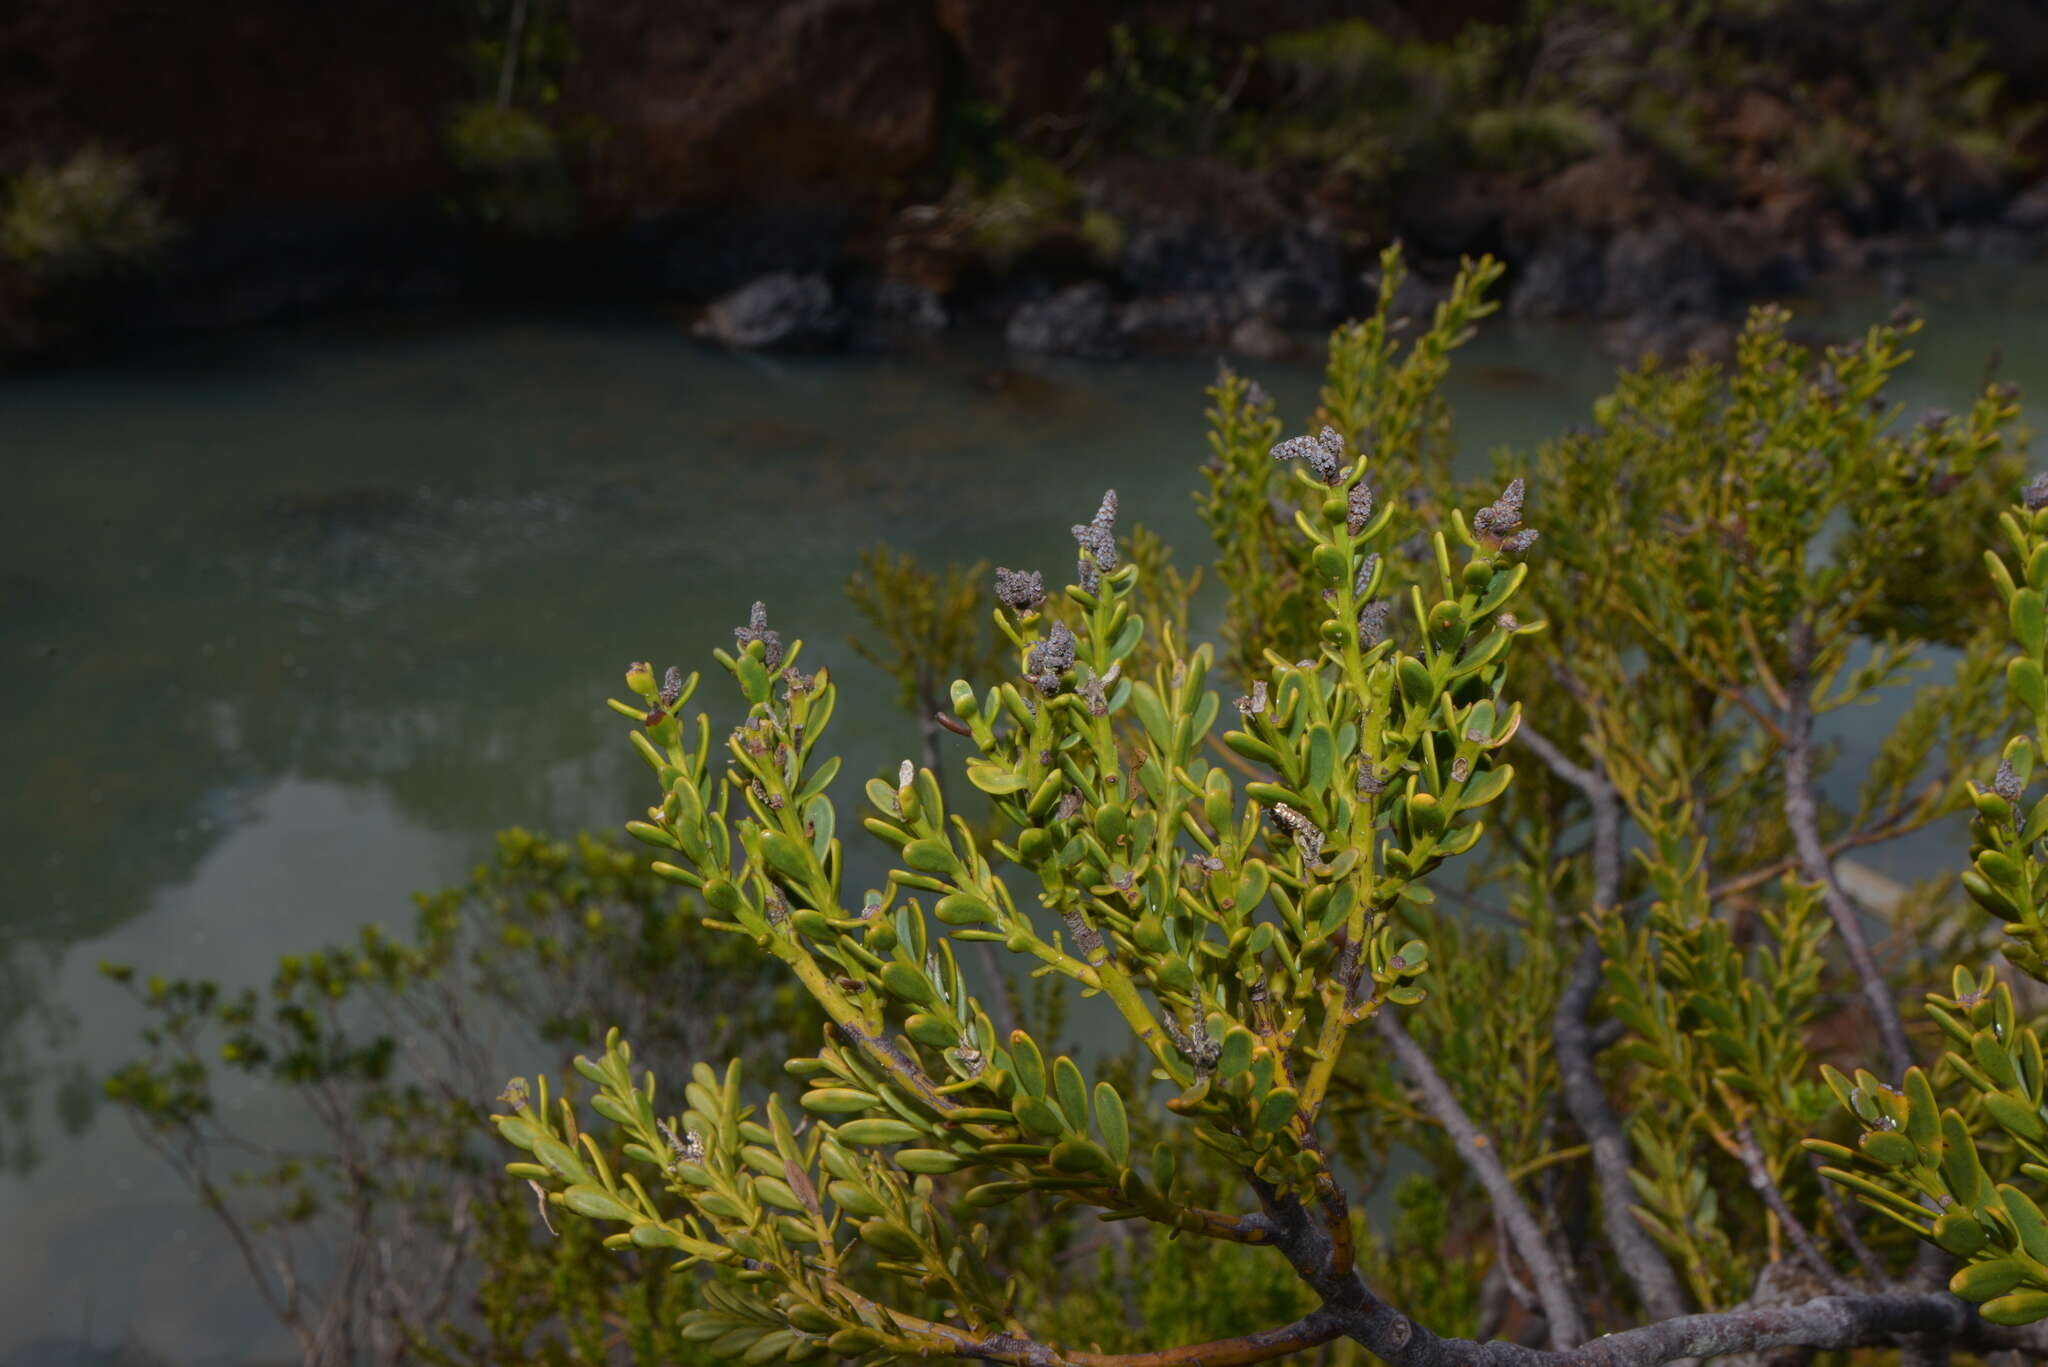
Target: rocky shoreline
<point>776,175</point>
<point>1195,277</point>
<point>1188,280</point>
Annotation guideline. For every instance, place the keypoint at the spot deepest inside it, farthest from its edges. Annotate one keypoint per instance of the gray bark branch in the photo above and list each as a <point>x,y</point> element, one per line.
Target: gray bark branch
<point>1802,818</point>
<point>1645,1265</point>
<point>1809,1249</point>
<point>1567,1325</point>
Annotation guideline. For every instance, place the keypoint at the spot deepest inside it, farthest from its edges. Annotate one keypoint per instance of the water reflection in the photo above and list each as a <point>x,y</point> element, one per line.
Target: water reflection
<point>289,628</point>
<point>34,1034</point>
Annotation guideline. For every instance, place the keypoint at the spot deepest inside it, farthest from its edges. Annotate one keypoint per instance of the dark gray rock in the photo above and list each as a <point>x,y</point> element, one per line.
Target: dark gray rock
<point>1178,319</point>
<point>1869,255</point>
<point>888,314</point>
<point>1078,321</point>
<point>1674,338</point>
<point>2029,213</point>
<point>1561,277</point>
<point>1770,250</point>
<point>1993,246</point>
<point>1261,340</point>
<point>1178,256</point>
<point>1448,215</point>
<point>1660,270</point>
<point>909,303</point>
<point>1292,298</point>
<point>1200,227</point>
<point>780,310</point>
<point>1415,298</point>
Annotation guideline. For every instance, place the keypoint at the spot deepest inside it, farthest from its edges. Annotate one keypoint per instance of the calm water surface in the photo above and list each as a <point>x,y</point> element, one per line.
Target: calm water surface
<point>290,624</point>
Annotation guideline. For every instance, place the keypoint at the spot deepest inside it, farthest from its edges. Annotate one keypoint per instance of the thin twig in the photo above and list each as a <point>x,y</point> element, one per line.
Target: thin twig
<point>508,69</point>
<point>1869,835</point>
<point>1521,1294</point>
<point>1683,659</point>
<point>1772,688</point>
<point>1567,1326</point>
<point>1606,809</point>
<point>928,720</point>
<point>1845,1225</point>
<point>1766,1187</point>
<point>1803,819</point>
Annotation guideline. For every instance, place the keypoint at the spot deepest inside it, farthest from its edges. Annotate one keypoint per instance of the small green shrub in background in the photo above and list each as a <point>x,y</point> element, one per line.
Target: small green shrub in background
<point>1017,200</point>
<point>1357,109</point>
<point>1165,93</point>
<point>1951,104</point>
<point>922,630</point>
<point>513,161</point>
<point>1531,141</point>
<point>488,140</point>
<point>87,218</point>
<point>1829,154</point>
<point>510,142</point>
<point>1369,106</point>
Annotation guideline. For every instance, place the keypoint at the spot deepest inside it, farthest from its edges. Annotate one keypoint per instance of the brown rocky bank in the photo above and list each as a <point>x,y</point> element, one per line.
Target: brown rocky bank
<point>303,149</point>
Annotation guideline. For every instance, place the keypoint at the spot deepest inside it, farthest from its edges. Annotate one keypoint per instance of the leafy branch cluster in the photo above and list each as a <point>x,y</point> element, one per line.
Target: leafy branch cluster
<point>1244,903</point>
<point>1152,873</point>
<point>1520,865</point>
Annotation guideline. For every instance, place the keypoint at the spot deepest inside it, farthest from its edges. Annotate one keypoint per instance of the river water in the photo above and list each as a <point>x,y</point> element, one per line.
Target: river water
<point>291,622</point>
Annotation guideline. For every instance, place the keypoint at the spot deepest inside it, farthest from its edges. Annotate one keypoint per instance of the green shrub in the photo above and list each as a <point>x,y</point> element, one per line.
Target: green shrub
<point>1830,154</point>
<point>1534,142</point>
<point>87,218</point>
<point>1602,1071</point>
<point>1166,92</point>
<point>488,140</point>
<point>514,164</point>
<point>1490,972</point>
<point>1030,199</point>
<point>1366,105</point>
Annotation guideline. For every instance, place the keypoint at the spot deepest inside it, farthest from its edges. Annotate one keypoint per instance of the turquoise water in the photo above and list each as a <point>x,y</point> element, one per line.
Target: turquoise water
<point>290,623</point>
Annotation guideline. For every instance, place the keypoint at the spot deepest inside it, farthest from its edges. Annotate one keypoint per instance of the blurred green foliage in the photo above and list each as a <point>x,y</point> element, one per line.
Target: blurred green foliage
<point>511,143</point>
<point>371,1221</point>
<point>1872,99</point>
<point>1737,549</point>
<point>84,219</point>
